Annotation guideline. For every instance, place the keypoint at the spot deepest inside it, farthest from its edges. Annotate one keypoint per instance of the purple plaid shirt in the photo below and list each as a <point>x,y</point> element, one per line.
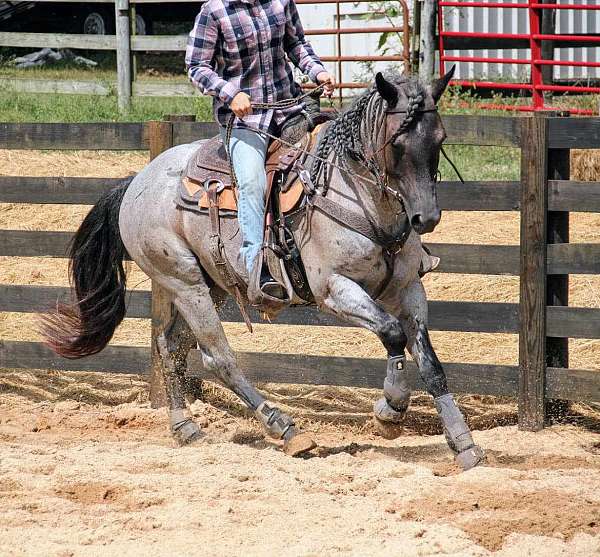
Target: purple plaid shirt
<point>240,45</point>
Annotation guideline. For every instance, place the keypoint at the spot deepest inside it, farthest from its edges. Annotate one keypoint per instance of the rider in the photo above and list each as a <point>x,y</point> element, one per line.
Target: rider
<point>236,52</point>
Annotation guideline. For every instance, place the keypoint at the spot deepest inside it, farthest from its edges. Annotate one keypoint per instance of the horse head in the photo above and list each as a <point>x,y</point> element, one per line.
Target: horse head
<point>409,145</point>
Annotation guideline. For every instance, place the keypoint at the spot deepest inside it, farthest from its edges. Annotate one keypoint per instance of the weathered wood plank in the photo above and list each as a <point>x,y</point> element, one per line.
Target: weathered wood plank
<point>156,89</point>
<point>456,258</point>
<point>275,368</point>
<point>124,60</point>
<point>35,355</point>
<point>573,322</point>
<point>532,336</point>
<point>573,384</point>
<point>34,243</point>
<point>443,315</point>
<point>57,40</point>
<point>289,368</point>
<point>574,133</point>
<point>565,195</point>
<point>34,299</point>
<point>581,259</point>
<point>188,132</point>
<point>51,86</point>
<point>162,311</point>
<point>96,136</point>
<point>557,285</point>
<point>482,130</point>
<point>479,196</point>
<point>63,190</point>
<point>164,43</point>
<point>477,259</point>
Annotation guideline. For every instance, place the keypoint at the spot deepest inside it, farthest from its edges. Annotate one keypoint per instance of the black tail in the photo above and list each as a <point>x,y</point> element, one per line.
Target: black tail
<point>96,271</point>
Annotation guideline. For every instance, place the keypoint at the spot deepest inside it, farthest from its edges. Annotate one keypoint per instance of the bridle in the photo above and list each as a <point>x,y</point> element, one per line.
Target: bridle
<point>382,175</point>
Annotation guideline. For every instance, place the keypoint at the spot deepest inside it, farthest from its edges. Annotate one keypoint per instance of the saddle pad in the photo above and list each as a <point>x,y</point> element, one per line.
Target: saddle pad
<point>193,196</point>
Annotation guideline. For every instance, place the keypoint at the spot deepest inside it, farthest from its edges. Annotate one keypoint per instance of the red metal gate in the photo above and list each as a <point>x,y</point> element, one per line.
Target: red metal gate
<point>535,37</point>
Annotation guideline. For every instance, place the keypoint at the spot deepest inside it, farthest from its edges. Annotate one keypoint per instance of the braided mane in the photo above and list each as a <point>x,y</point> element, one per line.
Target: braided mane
<point>361,125</point>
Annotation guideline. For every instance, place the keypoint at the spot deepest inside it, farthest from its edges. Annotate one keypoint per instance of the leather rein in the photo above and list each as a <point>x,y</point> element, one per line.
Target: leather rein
<point>390,243</point>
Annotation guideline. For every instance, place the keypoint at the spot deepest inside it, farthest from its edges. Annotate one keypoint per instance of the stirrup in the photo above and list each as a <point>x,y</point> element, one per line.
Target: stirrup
<point>429,262</point>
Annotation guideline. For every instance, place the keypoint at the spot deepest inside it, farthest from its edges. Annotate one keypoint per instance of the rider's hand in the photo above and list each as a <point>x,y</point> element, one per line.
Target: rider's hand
<point>325,78</point>
<point>240,105</point>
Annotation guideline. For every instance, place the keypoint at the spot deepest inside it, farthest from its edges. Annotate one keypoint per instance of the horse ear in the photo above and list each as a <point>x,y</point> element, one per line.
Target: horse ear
<point>439,85</point>
<point>386,89</point>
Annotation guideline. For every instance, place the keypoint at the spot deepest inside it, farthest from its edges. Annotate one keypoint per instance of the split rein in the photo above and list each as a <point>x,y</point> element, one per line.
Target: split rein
<point>289,103</point>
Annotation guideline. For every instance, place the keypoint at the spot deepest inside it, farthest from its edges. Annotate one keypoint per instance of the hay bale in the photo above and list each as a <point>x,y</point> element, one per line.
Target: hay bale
<point>585,165</point>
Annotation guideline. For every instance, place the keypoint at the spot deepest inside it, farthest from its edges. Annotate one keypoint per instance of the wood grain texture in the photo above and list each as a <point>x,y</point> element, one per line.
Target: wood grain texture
<point>35,299</point>
<point>96,136</point>
<point>63,190</point>
<point>275,368</point>
<point>443,315</point>
<point>60,86</point>
<point>565,195</point>
<point>577,385</point>
<point>162,311</point>
<point>532,337</point>
<point>482,130</point>
<point>573,384</point>
<point>574,133</point>
<point>57,40</point>
<point>479,196</point>
<point>575,259</point>
<point>124,60</point>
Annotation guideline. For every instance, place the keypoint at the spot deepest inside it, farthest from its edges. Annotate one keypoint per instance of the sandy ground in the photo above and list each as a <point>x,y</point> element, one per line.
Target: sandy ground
<point>87,468</point>
<point>79,477</point>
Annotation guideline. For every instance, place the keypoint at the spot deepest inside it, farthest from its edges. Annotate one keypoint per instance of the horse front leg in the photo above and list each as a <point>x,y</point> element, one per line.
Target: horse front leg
<point>350,302</point>
<point>410,305</point>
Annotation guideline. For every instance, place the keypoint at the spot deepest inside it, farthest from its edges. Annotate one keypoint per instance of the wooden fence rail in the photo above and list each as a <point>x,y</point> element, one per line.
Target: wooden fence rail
<point>542,318</point>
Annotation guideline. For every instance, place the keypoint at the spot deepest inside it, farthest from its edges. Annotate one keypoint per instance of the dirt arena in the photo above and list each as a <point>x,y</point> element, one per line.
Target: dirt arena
<point>87,468</point>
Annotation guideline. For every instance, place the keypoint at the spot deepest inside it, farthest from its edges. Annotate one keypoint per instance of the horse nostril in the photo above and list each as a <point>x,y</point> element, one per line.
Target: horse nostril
<point>416,221</point>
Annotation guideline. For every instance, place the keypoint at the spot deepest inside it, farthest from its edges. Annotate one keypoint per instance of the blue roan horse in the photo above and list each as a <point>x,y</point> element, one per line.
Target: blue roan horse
<point>386,147</point>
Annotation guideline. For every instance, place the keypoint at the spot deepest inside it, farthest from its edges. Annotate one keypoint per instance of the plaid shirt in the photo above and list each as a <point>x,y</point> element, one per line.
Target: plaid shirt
<point>240,45</point>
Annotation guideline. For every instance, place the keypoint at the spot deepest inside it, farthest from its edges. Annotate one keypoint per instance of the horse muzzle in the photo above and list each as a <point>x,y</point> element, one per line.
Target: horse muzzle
<point>423,223</point>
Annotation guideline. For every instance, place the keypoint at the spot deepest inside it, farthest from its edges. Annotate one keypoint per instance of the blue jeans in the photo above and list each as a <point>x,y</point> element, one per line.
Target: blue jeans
<point>248,152</point>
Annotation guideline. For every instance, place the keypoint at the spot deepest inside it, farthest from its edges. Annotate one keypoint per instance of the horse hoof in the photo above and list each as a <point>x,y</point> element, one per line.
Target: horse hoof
<point>470,458</point>
<point>298,444</point>
<point>387,420</point>
<point>187,434</point>
<point>387,430</point>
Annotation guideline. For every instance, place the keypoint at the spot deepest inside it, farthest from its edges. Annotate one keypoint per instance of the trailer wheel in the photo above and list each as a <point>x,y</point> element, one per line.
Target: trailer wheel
<point>97,22</point>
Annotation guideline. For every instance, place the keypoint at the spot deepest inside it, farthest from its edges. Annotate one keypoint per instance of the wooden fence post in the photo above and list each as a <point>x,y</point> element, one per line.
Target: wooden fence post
<point>557,349</point>
<point>532,308</point>
<point>427,41</point>
<point>161,139</point>
<point>123,38</point>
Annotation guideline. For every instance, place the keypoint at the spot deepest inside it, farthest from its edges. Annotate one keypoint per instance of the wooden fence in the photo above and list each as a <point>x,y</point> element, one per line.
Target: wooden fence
<point>544,259</point>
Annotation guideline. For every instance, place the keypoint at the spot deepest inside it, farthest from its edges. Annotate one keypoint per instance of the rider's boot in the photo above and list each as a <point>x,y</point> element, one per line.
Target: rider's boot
<point>264,291</point>
<point>429,262</point>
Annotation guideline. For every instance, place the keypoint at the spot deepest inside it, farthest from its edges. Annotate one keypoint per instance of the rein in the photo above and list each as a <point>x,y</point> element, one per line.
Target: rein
<point>391,244</point>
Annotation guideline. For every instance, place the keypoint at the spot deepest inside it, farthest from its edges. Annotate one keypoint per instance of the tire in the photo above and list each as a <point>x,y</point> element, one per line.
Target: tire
<point>97,21</point>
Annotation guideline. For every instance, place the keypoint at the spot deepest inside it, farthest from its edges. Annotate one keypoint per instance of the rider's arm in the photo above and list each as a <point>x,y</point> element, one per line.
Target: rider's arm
<point>298,49</point>
<point>199,57</point>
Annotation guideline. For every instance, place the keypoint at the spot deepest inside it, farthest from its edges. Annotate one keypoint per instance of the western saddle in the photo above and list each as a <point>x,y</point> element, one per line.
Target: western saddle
<point>207,188</point>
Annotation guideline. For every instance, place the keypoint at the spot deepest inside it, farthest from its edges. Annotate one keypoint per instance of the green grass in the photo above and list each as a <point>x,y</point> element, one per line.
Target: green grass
<point>25,107</point>
<point>482,163</point>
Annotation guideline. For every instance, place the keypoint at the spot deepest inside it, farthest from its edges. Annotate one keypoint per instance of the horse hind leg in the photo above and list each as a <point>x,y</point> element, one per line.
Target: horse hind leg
<point>196,306</point>
<point>173,345</point>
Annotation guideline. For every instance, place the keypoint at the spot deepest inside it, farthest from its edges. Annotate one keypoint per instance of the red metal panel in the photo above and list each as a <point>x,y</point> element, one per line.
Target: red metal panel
<point>535,38</point>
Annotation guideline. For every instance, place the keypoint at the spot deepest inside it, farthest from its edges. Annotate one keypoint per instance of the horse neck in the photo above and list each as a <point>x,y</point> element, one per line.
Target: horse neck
<point>352,191</point>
